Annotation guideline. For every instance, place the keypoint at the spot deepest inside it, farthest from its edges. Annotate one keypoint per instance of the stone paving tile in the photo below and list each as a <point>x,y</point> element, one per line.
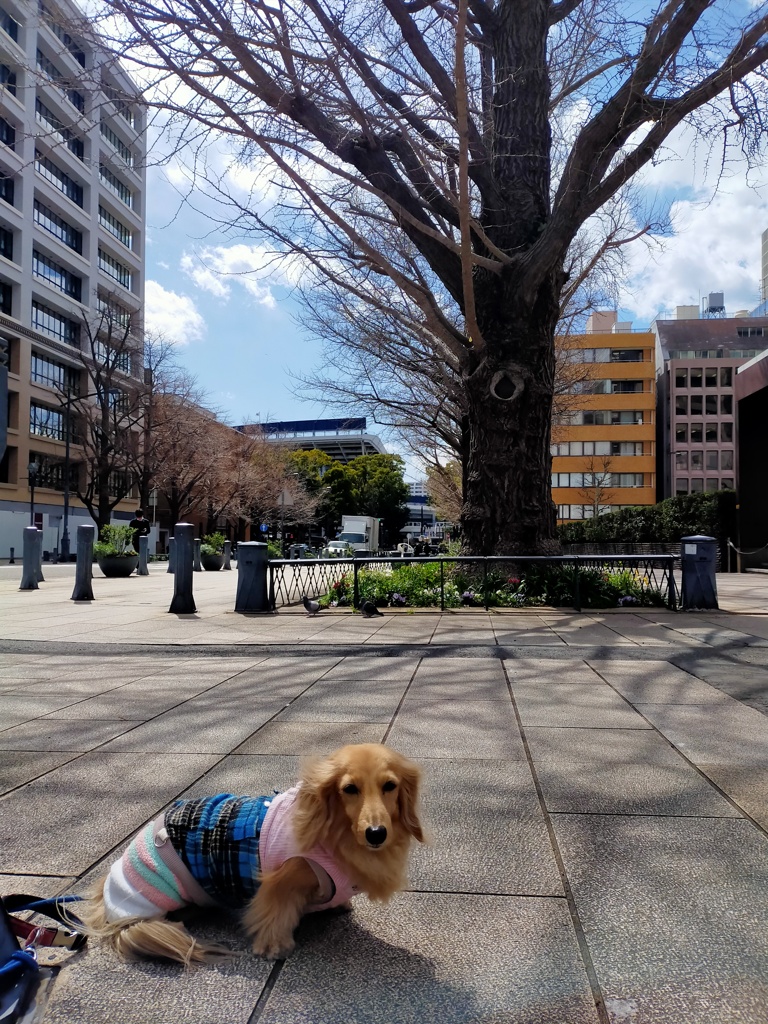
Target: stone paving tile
<point>657,682</point>
<point>711,733</point>
<point>675,912</point>
<point>43,886</point>
<point>344,707</point>
<point>549,672</point>
<point>203,725</point>
<point>745,682</point>
<point>118,705</point>
<point>598,746</point>
<point>580,631</point>
<point>64,734</point>
<point>615,788</point>
<point>374,668</point>
<point>715,634</point>
<point>572,705</point>
<point>457,728</point>
<point>310,737</point>
<point>249,775</point>
<point>459,678</point>
<point>487,831</point>
<point>20,766</point>
<point>436,959</point>
<point>76,814</point>
<point>18,708</point>
<point>747,785</point>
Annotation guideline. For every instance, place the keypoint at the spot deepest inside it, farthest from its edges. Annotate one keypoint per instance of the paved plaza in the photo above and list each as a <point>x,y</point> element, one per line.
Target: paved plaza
<point>596,786</point>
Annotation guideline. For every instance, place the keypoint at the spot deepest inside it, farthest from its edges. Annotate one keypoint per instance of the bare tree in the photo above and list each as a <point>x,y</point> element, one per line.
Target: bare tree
<point>597,495</point>
<point>459,150</point>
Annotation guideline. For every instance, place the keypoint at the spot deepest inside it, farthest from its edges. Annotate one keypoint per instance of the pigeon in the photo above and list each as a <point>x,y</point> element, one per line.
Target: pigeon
<point>312,607</point>
<point>369,610</point>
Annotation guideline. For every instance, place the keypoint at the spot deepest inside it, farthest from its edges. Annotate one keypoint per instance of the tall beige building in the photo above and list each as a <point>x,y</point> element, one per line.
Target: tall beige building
<point>72,157</point>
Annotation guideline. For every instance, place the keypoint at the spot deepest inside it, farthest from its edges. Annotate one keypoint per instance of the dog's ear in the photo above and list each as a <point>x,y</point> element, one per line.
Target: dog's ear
<point>408,798</point>
<point>315,808</point>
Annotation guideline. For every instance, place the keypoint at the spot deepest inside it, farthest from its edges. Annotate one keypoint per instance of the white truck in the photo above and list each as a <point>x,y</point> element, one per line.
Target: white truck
<point>360,533</point>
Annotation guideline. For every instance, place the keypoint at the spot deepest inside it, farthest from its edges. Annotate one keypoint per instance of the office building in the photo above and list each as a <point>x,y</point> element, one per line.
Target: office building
<point>71,244</point>
<point>696,363</point>
<point>604,446</point>
<point>342,439</point>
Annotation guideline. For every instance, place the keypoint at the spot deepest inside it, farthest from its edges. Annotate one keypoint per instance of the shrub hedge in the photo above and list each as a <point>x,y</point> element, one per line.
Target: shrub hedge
<point>712,514</point>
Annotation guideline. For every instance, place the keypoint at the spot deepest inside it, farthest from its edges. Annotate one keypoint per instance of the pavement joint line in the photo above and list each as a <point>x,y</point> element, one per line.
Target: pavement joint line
<point>266,992</point>
<point>762,829</point>
<point>581,938</point>
<point>400,703</point>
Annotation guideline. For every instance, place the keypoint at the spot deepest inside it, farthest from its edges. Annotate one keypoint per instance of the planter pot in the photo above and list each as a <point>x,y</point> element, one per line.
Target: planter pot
<point>118,566</point>
<point>212,563</point>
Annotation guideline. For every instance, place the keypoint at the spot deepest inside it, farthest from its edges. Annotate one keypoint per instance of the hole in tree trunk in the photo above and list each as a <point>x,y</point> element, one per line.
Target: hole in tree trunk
<point>503,387</point>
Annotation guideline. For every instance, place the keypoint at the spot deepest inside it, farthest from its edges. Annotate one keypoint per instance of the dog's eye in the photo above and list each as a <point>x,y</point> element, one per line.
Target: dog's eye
<point>389,786</point>
<point>351,789</point>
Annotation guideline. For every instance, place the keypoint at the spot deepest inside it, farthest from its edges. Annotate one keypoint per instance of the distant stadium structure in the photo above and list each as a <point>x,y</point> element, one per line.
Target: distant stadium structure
<point>342,439</point>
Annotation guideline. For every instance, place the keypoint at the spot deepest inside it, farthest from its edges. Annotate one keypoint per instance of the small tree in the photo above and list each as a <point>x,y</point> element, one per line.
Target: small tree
<point>596,494</point>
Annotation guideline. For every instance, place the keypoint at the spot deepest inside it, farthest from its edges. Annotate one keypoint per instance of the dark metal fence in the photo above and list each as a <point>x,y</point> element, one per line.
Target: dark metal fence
<point>652,576</point>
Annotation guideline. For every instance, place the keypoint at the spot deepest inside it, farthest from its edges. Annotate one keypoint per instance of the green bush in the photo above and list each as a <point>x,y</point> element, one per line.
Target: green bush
<point>712,514</point>
<point>114,542</point>
<point>213,544</point>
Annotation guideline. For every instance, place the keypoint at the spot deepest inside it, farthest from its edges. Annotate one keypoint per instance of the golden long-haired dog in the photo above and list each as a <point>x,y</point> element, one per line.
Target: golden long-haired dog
<point>344,829</point>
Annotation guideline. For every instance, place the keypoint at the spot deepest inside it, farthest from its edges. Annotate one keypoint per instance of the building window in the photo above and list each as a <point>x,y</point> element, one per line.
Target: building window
<point>626,355</point>
<point>591,355</point>
<point>710,405</point>
<point>696,377</point>
<point>697,460</point>
<point>115,269</point>
<point>750,332</point>
<point>7,134</point>
<point>50,472</point>
<point>681,405</point>
<point>710,432</point>
<point>59,130</point>
<point>710,377</point>
<point>112,182</point>
<point>726,405</point>
<point>49,68</point>
<point>726,377</point>
<point>601,417</point>
<point>46,422</point>
<point>625,387</point>
<point>6,243</point>
<point>54,375</point>
<point>681,434</point>
<point>111,136</point>
<point>51,172</point>
<point>626,447</point>
<point>6,298</point>
<point>48,321</point>
<point>697,433</point>
<point>726,460</point>
<point>8,79</point>
<point>681,487</point>
<point>727,483</point>
<point>119,482</point>
<point>6,188</point>
<point>57,226</point>
<point>697,485</point>
<point>681,460</point>
<point>63,36</point>
<point>115,227</point>
<point>681,378</point>
<point>726,431</point>
<point>119,360</point>
<point>713,484</point>
<point>697,405</point>
<point>712,462</point>
<point>55,274</point>
<point>9,25</point>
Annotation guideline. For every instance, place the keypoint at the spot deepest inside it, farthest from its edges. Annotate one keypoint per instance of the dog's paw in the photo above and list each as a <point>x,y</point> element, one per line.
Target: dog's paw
<point>273,948</point>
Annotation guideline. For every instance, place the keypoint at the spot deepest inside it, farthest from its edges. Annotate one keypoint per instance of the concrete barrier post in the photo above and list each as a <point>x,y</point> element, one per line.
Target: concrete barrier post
<point>171,554</point>
<point>698,559</point>
<point>227,554</point>
<point>183,602</point>
<point>39,557</point>
<point>252,559</point>
<point>83,591</point>
<point>29,556</point>
<point>143,555</point>
<point>12,560</point>
<point>196,564</point>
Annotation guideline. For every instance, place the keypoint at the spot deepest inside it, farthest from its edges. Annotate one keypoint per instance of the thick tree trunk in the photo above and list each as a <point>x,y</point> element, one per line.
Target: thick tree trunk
<point>508,506</point>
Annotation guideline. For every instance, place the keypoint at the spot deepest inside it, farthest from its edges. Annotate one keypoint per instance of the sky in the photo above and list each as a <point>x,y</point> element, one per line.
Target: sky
<point>233,319</point>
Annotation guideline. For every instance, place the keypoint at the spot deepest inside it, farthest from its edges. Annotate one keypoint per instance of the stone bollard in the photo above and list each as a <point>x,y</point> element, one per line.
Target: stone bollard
<point>227,555</point>
<point>251,596</point>
<point>171,554</point>
<point>12,560</point>
<point>143,554</point>
<point>196,564</point>
<point>83,591</point>
<point>29,557</point>
<point>183,602</point>
<point>39,557</point>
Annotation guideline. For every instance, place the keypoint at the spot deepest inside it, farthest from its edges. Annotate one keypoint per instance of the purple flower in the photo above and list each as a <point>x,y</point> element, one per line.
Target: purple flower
<point>628,599</point>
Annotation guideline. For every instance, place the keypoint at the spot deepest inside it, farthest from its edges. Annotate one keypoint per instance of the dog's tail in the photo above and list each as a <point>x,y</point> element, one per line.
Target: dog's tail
<point>134,937</point>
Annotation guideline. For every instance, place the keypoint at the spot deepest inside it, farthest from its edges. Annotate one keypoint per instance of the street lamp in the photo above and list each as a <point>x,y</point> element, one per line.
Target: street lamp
<point>32,470</point>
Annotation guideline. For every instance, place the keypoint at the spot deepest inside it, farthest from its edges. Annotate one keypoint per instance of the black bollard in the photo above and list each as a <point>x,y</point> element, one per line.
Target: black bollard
<point>196,564</point>
<point>83,591</point>
<point>143,554</point>
<point>29,558</point>
<point>171,554</point>
<point>183,602</point>
<point>12,560</point>
<point>251,578</point>
<point>227,555</point>
<point>698,562</point>
<point>39,557</point>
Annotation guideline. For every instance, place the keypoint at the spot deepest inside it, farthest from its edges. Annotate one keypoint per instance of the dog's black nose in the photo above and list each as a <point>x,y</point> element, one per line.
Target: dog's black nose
<point>375,835</point>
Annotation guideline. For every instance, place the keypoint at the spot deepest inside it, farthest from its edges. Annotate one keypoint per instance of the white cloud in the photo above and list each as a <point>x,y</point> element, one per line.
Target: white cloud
<point>171,316</point>
<point>217,268</point>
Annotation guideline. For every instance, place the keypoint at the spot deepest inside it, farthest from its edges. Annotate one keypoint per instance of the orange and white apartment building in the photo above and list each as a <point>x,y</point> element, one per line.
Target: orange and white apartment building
<point>604,446</point>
